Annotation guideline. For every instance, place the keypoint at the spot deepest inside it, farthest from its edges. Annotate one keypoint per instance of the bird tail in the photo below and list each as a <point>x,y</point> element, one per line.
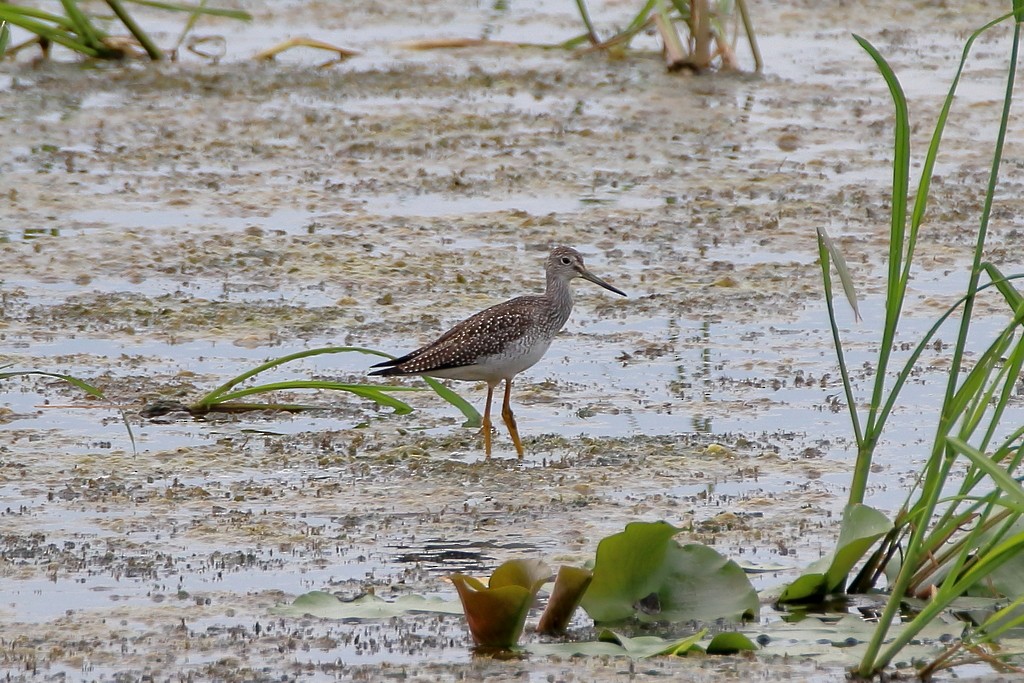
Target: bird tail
<point>388,367</point>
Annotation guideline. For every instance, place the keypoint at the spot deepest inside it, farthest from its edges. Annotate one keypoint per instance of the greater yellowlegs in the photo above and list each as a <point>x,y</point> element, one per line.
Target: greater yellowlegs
<point>500,342</point>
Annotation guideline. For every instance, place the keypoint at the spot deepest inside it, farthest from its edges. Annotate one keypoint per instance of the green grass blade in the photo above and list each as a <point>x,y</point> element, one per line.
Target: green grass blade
<point>581,6</point>
<point>900,187</point>
<point>196,9</point>
<point>824,257</point>
<point>1006,619</point>
<point>148,45</point>
<point>1010,372</point>
<point>401,408</point>
<point>908,367</point>
<point>1002,283</point>
<point>748,28</point>
<point>986,212</point>
<point>79,384</point>
<point>83,26</point>
<point>74,381</point>
<point>212,396</point>
<point>839,261</point>
<point>7,9</point>
<point>942,457</point>
<point>190,23</point>
<point>973,386</point>
<point>378,394</point>
<point>574,42</point>
<point>52,34</point>
<point>5,37</point>
<point>924,185</point>
<point>316,384</point>
<point>640,18</point>
<point>473,418</point>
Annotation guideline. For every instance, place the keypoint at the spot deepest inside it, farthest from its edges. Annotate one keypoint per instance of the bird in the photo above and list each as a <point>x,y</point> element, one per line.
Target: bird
<point>499,342</point>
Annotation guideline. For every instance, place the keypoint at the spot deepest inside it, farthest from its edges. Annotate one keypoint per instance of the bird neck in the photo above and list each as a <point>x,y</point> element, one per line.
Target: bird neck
<point>559,292</point>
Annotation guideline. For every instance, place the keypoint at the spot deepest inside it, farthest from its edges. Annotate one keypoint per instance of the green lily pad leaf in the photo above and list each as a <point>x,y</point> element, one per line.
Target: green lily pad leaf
<point>861,527</point>
<point>650,646</point>
<point>627,570</point>
<point>585,648</point>
<point>496,613</point>
<point>809,586</point>
<point>614,644</point>
<point>368,607</point>
<point>842,642</point>
<point>730,643</point>
<point>570,585</point>
<point>643,573</point>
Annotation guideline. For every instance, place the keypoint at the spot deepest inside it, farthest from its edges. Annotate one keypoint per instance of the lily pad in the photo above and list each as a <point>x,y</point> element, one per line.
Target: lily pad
<point>328,606</point>
<point>842,641</point>
<point>614,644</point>
<point>644,573</point>
<point>861,527</point>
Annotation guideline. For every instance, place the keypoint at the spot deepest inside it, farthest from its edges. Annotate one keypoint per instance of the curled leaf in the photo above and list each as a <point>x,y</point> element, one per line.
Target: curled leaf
<point>497,612</point>
<point>570,585</point>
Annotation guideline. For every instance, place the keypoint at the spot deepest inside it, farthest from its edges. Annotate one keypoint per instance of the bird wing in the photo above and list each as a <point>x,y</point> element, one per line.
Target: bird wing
<point>486,333</point>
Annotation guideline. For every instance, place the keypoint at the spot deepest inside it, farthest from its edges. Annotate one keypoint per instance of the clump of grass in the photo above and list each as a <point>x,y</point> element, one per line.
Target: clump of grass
<point>706,44</point>
<point>82,32</point>
<point>940,546</point>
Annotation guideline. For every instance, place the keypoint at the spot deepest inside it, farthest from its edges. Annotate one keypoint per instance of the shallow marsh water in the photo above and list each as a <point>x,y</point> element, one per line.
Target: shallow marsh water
<point>166,227</point>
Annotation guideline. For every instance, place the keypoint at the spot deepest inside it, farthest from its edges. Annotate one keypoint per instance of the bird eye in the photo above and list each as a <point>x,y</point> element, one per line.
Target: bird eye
<point>566,261</point>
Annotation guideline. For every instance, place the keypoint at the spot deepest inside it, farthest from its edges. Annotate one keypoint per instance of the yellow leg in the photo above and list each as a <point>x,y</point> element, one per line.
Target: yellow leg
<point>486,429</point>
<point>510,420</point>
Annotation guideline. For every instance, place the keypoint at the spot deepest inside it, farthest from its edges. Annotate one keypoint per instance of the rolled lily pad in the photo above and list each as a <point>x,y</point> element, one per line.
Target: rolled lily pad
<point>327,606</point>
<point>497,612</point>
<point>570,585</point>
<point>861,527</point>
<point>644,573</point>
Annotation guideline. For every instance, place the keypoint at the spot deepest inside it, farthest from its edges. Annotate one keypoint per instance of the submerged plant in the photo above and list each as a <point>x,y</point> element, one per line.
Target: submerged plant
<point>940,546</point>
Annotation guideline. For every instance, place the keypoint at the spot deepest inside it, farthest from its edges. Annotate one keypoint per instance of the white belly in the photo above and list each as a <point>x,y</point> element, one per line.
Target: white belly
<point>493,369</point>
